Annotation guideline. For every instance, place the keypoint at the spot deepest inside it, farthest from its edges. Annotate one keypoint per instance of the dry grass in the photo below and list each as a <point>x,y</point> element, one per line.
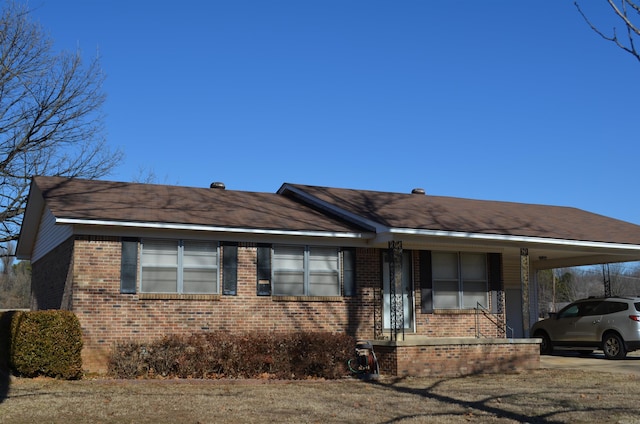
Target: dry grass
<point>540,396</point>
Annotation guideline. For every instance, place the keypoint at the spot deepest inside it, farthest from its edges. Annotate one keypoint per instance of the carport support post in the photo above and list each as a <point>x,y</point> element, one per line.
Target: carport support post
<point>524,285</point>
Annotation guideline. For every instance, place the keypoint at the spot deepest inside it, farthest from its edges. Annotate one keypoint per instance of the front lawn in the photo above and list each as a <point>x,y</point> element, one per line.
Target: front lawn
<point>540,396</point>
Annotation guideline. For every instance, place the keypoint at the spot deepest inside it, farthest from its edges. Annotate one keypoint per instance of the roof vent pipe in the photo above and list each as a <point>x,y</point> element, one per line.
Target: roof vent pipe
<point>418,191</point>
<point>218,185</point>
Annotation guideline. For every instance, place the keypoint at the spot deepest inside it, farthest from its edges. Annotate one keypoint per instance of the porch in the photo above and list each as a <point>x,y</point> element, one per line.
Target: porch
<point>454,356</point>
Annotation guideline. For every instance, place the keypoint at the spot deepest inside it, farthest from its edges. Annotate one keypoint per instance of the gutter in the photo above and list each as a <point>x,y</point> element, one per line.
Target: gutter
<point>208,228</point>
<point>507,238</point>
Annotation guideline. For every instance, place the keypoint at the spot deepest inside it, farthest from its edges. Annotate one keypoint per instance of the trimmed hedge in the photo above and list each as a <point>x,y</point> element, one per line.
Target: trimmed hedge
<point>225,355</point>
<point>42,343</point>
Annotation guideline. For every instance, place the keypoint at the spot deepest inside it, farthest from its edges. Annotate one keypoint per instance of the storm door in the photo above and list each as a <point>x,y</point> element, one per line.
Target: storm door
<point>404,300</point>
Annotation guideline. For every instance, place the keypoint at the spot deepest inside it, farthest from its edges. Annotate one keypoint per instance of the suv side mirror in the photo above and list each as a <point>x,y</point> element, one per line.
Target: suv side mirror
<point>553,315</point>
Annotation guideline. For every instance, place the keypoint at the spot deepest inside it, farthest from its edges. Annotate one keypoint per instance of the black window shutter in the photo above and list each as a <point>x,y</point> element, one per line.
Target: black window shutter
<point>230,269</point>
<point>495,280</point>
<point>426,282</point>
<point>264,270</point>
<point>129,266</point>
<point>349,271</point>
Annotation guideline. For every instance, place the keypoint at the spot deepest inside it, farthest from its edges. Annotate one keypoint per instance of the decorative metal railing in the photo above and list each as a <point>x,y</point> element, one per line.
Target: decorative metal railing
<point>485,313</point>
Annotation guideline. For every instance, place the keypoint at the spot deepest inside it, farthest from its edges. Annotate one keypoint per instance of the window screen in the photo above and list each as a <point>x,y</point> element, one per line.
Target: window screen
<point>306,271</point>
<point>172,266</point>
<point>459,280</point>
<point>160,266</point>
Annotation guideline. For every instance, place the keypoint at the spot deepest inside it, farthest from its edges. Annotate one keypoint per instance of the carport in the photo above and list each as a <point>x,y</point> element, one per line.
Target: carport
<point>541,255</point>
<point>531,238</point>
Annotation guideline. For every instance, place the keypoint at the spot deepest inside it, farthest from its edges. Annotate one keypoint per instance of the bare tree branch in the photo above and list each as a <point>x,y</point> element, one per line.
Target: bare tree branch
<point>51,120</point>
<point>622,14</point>
<point>632,29</point>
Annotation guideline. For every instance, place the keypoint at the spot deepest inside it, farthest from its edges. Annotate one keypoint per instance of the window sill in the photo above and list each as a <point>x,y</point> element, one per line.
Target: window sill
<point>306,298</point>
<point>177,296</point>
<point>455,311</point>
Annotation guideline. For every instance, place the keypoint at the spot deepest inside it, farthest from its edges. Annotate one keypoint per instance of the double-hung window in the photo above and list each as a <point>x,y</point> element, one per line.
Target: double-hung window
<point>459,280</point>
<point>306,271</point>
<point>179,266</point>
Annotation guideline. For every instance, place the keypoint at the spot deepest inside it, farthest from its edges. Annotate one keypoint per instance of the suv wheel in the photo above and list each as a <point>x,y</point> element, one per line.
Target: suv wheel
<point>613,346</point>
<point>546,347</point>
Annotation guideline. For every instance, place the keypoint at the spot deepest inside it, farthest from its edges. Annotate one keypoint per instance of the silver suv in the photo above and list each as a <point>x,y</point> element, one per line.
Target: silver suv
<point>610,324</point>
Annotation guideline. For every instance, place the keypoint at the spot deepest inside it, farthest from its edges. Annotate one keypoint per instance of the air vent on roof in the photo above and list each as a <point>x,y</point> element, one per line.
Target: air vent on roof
<point>418,191</point>
<point>218,185</point>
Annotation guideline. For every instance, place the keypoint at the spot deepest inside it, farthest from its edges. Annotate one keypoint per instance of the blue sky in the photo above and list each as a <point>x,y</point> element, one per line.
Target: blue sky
<point>499,100</point>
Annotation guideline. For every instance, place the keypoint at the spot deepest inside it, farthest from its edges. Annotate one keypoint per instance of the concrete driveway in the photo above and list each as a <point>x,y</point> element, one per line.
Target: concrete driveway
<point>595,362</point>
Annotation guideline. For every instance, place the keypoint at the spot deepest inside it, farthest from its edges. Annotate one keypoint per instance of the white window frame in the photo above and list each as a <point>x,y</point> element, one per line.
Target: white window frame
<point>459,279</point>
<point>298,267</point>
<point>181,265</point>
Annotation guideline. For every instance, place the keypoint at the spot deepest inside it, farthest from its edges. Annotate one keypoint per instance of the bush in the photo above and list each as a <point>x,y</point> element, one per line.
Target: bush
<point>249,355</point>
<point>128,361</point>
<point>46,343</point>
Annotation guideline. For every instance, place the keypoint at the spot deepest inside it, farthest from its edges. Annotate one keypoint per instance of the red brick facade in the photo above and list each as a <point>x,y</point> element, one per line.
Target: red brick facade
<point>454,357</point>
<point>90,267</point>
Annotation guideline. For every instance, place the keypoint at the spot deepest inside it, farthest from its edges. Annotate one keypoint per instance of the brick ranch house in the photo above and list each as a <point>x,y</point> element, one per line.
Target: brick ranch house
<point>439,285</point>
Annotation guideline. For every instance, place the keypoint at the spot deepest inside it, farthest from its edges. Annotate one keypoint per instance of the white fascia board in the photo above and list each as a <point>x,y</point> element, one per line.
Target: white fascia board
<point>511,239</point>
<point>30,222</point>
<point>190,227</point>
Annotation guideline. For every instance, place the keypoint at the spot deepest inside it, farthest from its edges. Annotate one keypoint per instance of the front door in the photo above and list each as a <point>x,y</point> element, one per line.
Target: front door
<point>406,297</point>
<point>513,302</point>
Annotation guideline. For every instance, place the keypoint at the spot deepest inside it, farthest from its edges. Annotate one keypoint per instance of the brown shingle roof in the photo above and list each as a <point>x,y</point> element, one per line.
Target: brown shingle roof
<point>117,201</point>
<point>438,213</point>
<point>148,203</point>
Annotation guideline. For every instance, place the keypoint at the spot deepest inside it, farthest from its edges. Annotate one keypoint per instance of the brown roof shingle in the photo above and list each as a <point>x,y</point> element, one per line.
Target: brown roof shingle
<point>118,201</point>
<point>438,213</point>
<point>148,203</point>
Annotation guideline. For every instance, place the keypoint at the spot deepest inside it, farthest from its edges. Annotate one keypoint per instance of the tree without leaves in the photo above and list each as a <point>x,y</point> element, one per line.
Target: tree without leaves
<point>6,258</point>
<point>628,12</point>
<point>15,282</point>
<point>50,115</point>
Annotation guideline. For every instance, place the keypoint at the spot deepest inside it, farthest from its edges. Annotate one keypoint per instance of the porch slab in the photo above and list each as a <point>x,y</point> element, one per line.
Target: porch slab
<point>455,356</point>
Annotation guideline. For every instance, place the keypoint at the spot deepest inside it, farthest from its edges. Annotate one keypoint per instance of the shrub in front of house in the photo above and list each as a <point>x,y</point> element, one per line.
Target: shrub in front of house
<point>225,355</point>
<point>45,343</point>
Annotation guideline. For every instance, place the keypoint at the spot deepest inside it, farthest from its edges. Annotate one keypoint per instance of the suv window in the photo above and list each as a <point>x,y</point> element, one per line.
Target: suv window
<point>568,312</point>
<point>579,309</point>
<point>610,308</point>
<point>637,305</point>
<point>588,308</point>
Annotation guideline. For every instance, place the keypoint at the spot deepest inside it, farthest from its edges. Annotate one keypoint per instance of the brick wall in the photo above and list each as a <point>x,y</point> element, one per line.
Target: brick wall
<point>457,358</point>
<point>108,317</point>
<point>456,323</point>
<point>463,323</point>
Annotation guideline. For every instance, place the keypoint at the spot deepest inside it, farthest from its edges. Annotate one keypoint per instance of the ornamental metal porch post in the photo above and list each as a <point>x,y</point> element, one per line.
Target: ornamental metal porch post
<point>524,285</point>
<point>396,298</point>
